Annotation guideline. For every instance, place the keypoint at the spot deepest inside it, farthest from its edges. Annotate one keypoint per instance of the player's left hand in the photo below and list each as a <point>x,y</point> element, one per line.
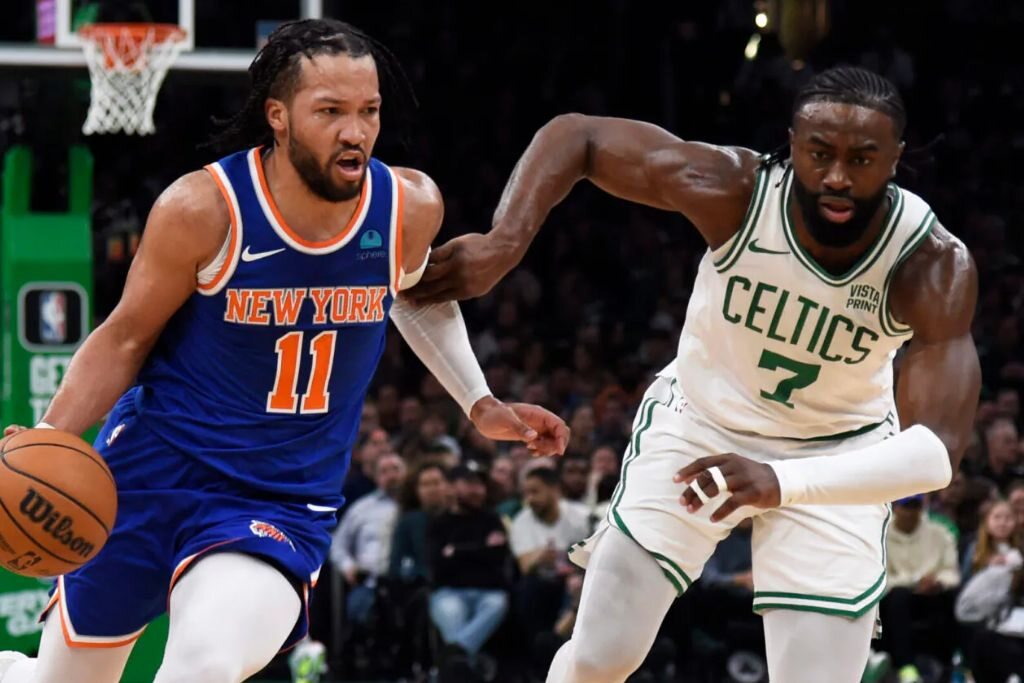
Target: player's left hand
<point>11,430</point>
<point>543,432</point>
<point>749,482</point>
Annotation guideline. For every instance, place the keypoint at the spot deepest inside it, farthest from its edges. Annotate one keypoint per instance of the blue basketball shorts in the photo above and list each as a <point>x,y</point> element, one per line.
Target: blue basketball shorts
<point>173,510</point>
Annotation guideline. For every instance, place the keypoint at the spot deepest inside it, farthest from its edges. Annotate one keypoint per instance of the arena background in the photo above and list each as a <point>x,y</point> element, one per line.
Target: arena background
<point>598,303</point>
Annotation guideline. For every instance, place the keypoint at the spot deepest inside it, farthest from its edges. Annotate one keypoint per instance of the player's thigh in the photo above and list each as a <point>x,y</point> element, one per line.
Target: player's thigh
<point>625,598</point>
<point>58,662</point>
<point>810,647</point>
<point>667,435</point>
<point>829,558</point>
<point>229,615</point>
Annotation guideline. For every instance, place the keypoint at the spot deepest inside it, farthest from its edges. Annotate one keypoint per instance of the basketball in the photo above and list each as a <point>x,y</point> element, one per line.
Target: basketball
<point>57,502</point>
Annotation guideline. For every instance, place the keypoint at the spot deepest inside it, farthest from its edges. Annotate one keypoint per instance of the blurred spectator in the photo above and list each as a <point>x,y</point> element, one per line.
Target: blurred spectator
<point>410,417</point>
<point>1015,496</point>
<point>946,506</point>
<point>604,461</point>
<point>540,538</point>
<point>1004,461</point>
<point>427,494</point>
<point>993,603</point>
<point>922,577</point>
<point>388,400</point>
<point>1008,404</point>
<point>1003,360</point>
<point>581,439</point>
<point>575,473</point>
<point>370,421</point>
<point>502,474</point>
<point>470,566</point>
<point>361,546</point>
<point>998,535</point>
<point>360,478</point>
<point>613,417</point>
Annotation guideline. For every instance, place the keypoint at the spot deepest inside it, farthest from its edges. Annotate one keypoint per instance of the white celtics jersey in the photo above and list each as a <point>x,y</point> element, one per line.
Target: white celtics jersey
<point>775,345</point>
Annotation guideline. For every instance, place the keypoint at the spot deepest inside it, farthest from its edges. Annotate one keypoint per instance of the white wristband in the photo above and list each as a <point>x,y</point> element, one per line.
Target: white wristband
<point>44,425</point>
<point>913,461</point>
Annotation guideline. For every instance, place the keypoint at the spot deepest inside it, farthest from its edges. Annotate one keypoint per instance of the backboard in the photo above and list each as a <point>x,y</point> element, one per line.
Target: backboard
<point>211,44</point>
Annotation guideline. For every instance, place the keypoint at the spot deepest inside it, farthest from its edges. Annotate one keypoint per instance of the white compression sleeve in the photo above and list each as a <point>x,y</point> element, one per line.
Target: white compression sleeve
<point>437,334</point>
<point>913,461</point>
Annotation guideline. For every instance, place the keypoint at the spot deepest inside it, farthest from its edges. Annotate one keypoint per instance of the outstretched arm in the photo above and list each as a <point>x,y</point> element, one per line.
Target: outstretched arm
<point>934,294</point>
<point>632,160</point>
<point>437,334</point>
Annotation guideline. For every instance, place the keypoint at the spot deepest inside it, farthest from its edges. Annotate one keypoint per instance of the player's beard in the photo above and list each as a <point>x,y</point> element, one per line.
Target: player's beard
<point>317,178</point>
<point>824,231</point>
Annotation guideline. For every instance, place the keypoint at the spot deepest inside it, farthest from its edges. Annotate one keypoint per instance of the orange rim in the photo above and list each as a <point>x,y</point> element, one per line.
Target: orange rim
<point>125,45</point>
<point>135,31</point>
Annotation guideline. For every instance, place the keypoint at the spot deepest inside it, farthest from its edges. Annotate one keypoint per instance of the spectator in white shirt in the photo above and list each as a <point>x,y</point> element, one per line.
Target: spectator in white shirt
<point>922,576</point>
<point>540,538</point>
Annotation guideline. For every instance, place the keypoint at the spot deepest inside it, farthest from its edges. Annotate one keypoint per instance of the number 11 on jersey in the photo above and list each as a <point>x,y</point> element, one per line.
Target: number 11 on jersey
<point>316,399</point>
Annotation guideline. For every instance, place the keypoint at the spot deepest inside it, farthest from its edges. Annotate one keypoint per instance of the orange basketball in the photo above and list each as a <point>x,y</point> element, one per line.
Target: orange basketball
<point>57,502</point>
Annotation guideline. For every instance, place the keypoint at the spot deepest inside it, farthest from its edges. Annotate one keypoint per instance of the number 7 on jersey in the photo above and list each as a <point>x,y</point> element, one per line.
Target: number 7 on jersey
<point>804,375</point>
<point>282,398</point>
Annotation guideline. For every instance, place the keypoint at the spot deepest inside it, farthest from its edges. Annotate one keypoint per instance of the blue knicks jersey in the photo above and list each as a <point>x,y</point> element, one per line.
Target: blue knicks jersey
<point>262,373</point>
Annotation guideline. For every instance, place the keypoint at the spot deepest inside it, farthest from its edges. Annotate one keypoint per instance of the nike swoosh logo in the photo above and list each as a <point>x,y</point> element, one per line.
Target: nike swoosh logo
<point>761,250</point>
<point>248,256</point>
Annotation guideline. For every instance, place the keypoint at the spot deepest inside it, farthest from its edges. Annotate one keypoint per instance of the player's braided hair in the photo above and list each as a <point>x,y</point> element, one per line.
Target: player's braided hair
<point>276,69</point>
<point>849,85</point>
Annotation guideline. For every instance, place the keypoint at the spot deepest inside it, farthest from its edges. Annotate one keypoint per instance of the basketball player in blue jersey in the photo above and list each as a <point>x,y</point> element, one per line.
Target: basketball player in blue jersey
<point>234,369</point>
<point>780,405</point>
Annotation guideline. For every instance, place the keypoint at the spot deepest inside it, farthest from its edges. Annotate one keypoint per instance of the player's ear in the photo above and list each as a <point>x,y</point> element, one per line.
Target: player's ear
<point>277,114</point>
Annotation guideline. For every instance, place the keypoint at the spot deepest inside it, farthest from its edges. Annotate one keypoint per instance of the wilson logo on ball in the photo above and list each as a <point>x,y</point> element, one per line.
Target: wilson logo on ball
<point>41,511</point>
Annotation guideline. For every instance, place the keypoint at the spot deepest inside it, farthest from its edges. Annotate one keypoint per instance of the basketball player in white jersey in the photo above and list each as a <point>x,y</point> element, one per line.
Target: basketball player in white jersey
<point>780,404</point>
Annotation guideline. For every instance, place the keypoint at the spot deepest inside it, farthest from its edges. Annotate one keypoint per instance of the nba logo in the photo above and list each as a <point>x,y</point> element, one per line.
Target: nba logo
<point>53,317</point>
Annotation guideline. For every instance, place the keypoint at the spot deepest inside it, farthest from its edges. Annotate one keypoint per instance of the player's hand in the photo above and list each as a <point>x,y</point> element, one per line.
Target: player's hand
<point>11,430</point>
<point>463,268</point>
<point>749,482</point>
<point>543,432</point>
<point>928,585</point>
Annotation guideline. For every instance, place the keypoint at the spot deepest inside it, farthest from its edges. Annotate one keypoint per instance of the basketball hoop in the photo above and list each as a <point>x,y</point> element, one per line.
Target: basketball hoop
<point>127,65</point>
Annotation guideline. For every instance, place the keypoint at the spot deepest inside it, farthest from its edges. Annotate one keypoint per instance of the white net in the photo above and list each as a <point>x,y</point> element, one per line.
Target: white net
<point>127,65</point>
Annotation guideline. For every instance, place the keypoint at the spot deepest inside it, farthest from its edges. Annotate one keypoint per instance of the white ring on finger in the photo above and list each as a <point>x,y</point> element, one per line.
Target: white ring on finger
<point>719,479</point>
<point>699,491</point>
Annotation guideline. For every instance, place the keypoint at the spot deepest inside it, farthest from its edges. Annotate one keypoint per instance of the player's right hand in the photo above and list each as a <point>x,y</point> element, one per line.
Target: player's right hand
<point>464,268</point>
<point>748,483</point>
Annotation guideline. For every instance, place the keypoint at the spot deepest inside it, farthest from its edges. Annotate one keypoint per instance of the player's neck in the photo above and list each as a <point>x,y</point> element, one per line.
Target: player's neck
<point>312,217</point>
<point>838,260</point>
